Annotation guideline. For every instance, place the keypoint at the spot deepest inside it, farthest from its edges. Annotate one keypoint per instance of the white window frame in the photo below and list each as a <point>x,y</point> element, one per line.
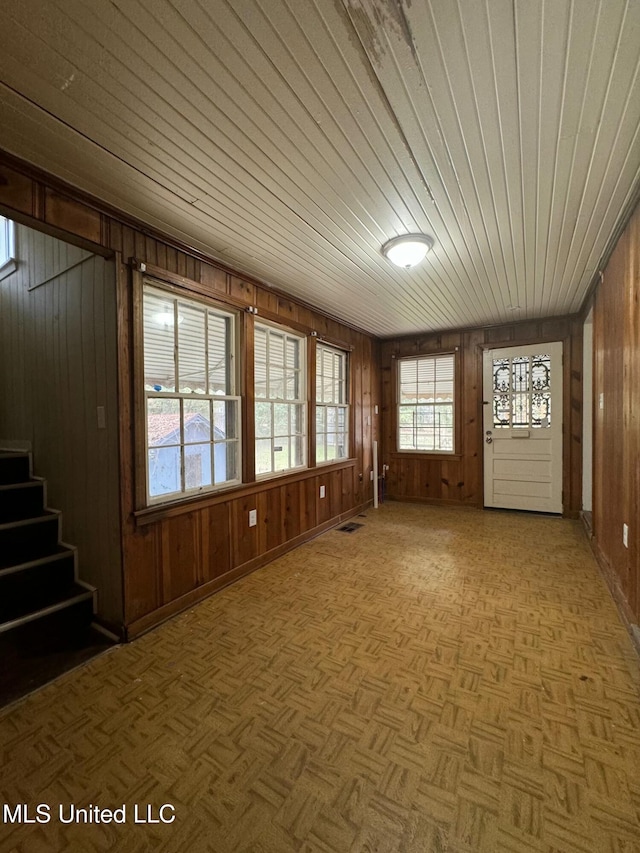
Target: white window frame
<point>155,288</point>
<point>272,401</point>
<point>426,405</point>
<point>7,247</point>
<point>338,400</point>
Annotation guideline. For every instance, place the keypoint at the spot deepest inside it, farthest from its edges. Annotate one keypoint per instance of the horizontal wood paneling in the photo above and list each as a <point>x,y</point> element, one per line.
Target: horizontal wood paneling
<point>616,438</point>
<point>458,478</point>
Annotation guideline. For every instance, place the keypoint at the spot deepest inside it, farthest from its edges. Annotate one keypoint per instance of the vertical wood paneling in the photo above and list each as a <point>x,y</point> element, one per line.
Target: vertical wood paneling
<point>245,544</point>
<point>291,515</point>
<point>142,575</point>
<point>458,478</point>
<point>58,365</point>
<point>471,414</point>
<point>215,541</point>
<point>616,440</point>
<point>180,555</point>
<point>166,560</point>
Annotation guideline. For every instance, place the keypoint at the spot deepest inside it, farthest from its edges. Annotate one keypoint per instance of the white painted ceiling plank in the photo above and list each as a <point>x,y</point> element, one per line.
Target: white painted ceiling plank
<point>307,132</point>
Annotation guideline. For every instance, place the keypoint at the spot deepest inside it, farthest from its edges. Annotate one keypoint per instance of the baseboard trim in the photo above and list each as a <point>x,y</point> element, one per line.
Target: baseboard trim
<point>611,579</point>
<point>172,608</point>
<point>410,499</point>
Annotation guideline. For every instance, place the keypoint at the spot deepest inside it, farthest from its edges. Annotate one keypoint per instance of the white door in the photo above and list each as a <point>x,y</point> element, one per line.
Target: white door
<point>522,427</point>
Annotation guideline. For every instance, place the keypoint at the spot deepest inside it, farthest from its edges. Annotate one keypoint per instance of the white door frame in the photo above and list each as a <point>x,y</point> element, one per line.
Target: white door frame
<point>486,407</point>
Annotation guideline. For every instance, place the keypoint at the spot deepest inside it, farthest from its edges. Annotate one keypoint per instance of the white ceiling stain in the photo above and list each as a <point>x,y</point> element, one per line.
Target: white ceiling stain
<point>292,138</point>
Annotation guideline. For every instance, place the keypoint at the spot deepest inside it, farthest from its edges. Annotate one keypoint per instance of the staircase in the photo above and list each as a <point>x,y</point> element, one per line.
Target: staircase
<point>44,608</point>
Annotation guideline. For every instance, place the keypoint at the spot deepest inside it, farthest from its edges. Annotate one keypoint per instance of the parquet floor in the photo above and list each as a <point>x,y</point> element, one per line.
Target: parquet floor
<point>440,680</point>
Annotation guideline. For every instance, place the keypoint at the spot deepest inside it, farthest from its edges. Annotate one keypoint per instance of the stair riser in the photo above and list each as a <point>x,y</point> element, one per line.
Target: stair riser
<point>14,469</point>
<point>33,586</point>
<point>26,542</point>
<point>21,502</point>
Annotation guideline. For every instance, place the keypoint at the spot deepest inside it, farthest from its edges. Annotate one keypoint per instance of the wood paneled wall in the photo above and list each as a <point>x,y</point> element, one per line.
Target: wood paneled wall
<point>458,479</point>
<point>57,365</point>
<point>616,439</point>
<point>176,556</point>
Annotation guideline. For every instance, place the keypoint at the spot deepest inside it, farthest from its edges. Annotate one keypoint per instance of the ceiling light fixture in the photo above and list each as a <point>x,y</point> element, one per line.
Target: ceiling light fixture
<point>408,249</point>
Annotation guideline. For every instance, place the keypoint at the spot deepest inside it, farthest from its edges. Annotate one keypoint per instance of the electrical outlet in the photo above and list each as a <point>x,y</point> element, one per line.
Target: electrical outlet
<point>322,491</point>
<point>371,475</point>
<point>253,517</point>
<point>625,535</point>
<point>601,400</point>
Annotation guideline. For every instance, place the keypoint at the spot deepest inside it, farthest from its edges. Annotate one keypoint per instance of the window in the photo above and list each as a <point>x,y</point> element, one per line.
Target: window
<point>426,403</point>
<point>7,247</point>
<point>191,408</point>
<point>332,411</point>
<point>280,400</point>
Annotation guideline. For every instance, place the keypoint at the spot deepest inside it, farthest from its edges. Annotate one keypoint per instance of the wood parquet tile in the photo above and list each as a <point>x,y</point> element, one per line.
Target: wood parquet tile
<point>440,681</point>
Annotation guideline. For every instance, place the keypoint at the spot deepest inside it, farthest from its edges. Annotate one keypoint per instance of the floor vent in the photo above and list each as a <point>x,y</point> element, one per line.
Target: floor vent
<point>349,528</point>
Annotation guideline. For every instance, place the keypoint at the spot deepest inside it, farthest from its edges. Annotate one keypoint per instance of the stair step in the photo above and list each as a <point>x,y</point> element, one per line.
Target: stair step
<point>73,603</point>
<point>38,652</point>
<point>21,500</point>
<point>28,539</point>
<point>14,467</point>
<point>61,550</point>
<point>37,580</point>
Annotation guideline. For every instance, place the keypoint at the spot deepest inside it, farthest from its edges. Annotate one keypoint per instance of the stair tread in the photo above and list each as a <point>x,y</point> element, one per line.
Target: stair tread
<point>45,515</point>
<point>58,553</point>
<point>31,483</point>
<point>11,611</point>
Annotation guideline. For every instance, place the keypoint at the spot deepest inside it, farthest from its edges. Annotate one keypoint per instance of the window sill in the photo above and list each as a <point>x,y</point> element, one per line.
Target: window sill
<point>152,514</point>
<point>8,268</point>
<point>425,454</point>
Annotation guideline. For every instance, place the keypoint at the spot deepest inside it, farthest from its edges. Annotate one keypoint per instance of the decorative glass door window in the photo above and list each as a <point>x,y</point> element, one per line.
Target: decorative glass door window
<point>522,392</point>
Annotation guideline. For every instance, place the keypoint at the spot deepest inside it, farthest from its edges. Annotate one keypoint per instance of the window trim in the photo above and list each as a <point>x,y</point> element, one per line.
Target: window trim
<point>422,454</point>
<point>144,501</point>
<point>304,400</point>
<point>346,354</point>
<point>8,263</point>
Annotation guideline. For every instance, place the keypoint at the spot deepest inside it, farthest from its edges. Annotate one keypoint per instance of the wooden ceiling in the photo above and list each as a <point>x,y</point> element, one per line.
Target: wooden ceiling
<point>292,138</point>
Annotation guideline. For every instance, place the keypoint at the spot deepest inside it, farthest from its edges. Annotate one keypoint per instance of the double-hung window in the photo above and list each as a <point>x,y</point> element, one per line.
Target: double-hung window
<point>192,410</point>
<point>426,403</point>
<point>332,410</point>
<point>280,390</point>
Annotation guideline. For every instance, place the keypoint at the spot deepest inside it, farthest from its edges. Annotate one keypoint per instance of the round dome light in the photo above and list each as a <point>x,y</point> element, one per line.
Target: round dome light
<point>407,250</point>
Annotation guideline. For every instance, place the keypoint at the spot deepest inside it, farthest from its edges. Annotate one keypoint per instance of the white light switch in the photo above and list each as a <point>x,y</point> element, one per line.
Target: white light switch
<point>253,517</point>
<point>322,491</point>
<point>625,535</point>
